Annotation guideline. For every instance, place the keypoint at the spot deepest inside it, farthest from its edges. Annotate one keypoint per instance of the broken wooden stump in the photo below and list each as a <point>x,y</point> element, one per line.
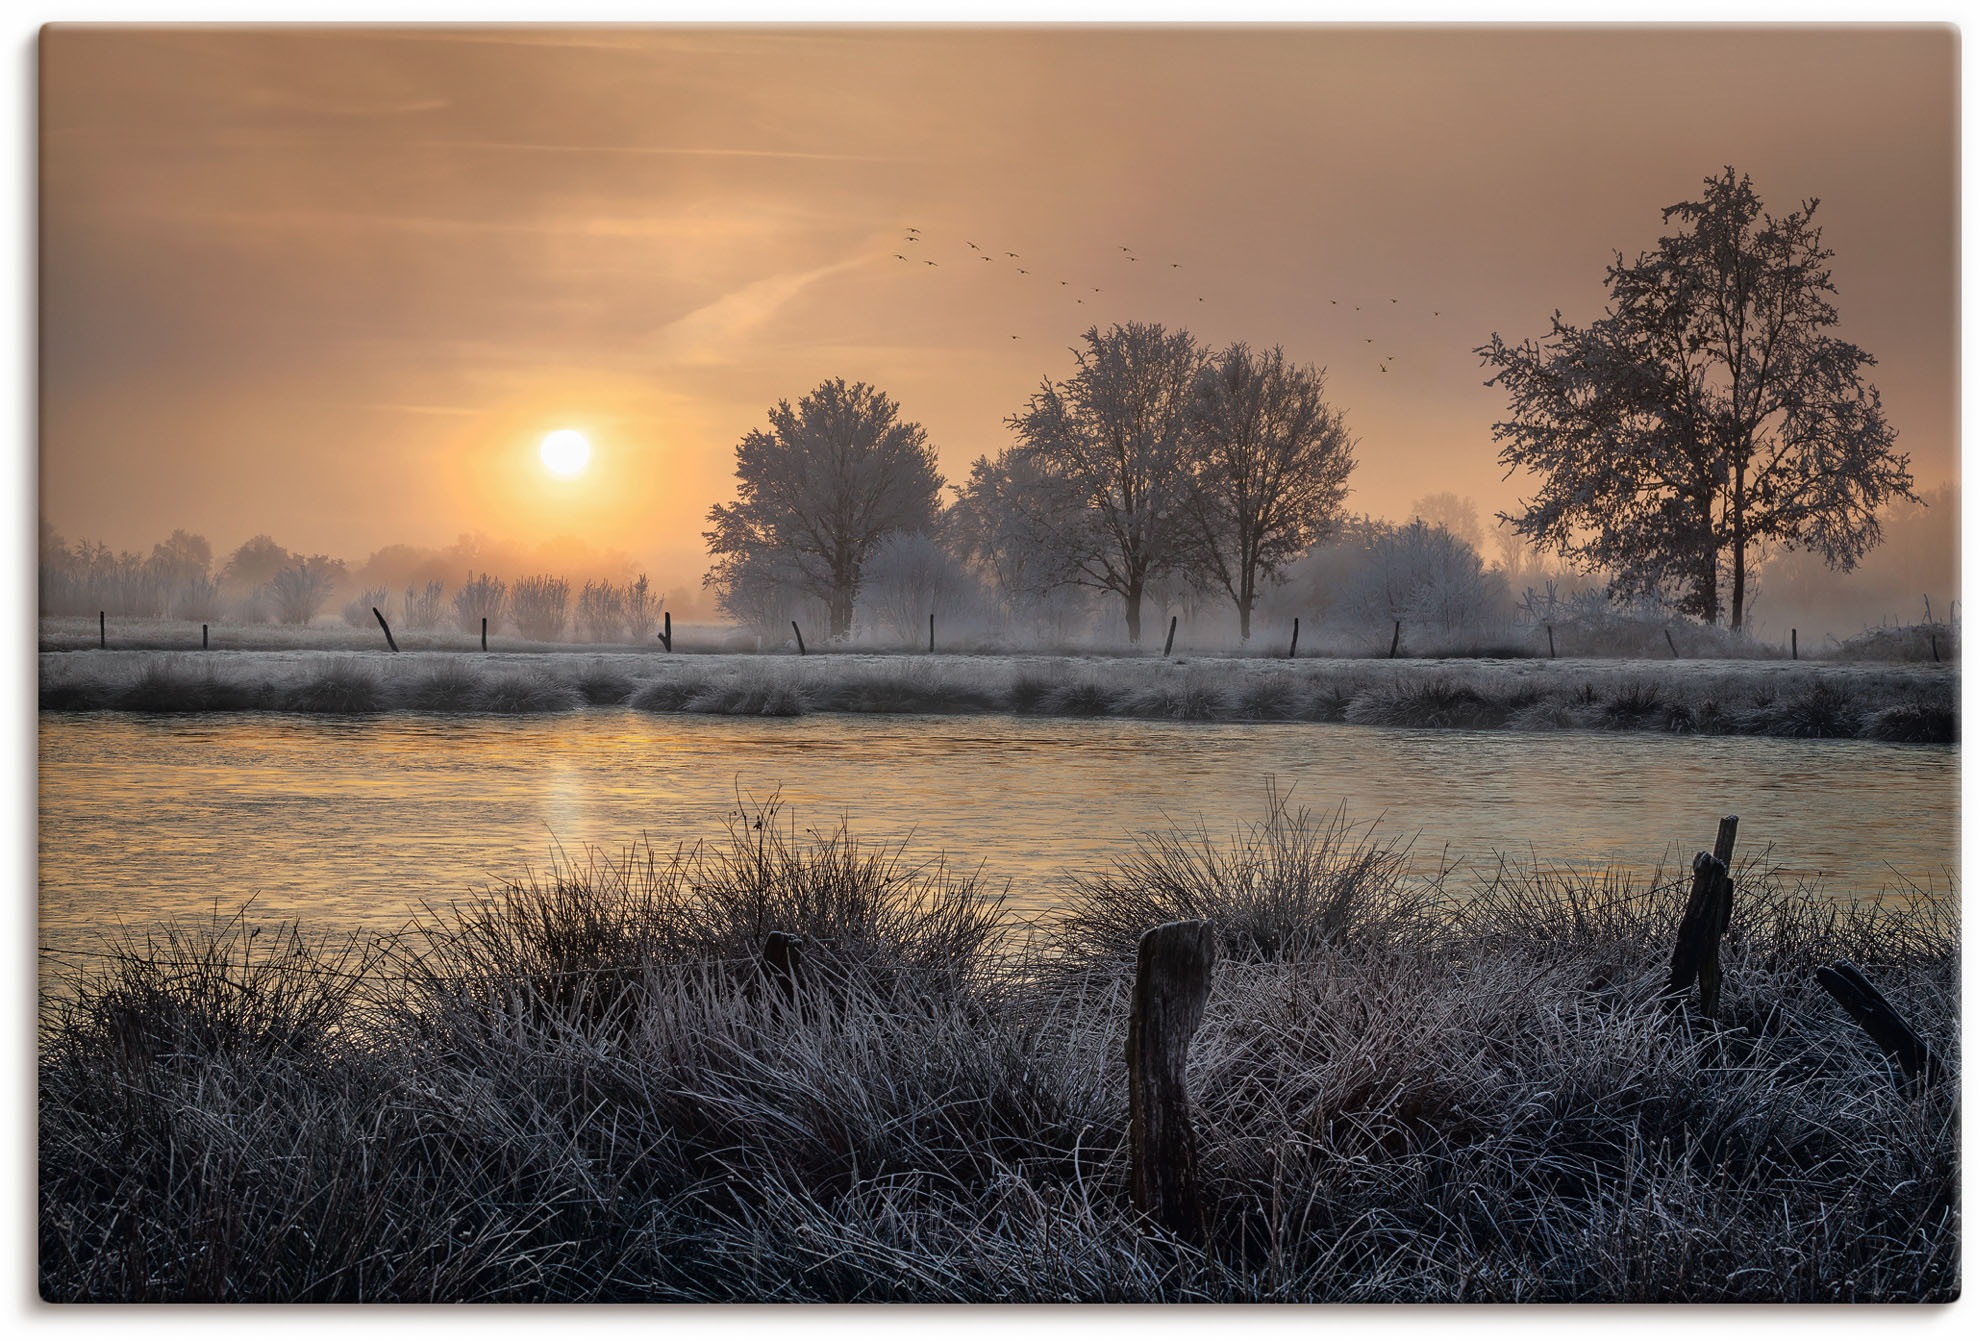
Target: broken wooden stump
<point>1707,915</point>
<point>1879,1019</point>
<point>1171,984</point>
<point>390,641</point>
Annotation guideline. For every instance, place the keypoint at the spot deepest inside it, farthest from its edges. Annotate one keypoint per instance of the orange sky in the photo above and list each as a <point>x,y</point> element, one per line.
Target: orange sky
<point>335,284</point>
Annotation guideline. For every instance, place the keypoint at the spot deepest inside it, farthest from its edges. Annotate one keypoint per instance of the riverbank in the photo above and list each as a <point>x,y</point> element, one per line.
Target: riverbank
<point>1872,701</point>
<point>589,1085</point>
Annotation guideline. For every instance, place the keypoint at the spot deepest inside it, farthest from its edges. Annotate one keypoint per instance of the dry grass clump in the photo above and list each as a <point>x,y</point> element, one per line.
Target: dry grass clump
<point>1936,641</point>
<point>342,686</point>
<point>1438,702</point>
<point>587,1086</point>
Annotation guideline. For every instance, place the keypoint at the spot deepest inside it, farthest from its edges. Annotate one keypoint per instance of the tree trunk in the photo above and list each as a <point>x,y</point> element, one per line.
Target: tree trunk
<point>1132,599</point>
<point>839,613</point>
<point>1738,520</point>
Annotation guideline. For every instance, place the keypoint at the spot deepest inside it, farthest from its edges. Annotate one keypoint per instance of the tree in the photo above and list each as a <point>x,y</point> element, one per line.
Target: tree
<point>300,590</point>
<point>256,562</point>
<point>1424,576</point>
<point>1110,446</point>
<point>1269,468</point>
<point>819,491</point>
<point>1457,515</point>
<point>1706,412</point>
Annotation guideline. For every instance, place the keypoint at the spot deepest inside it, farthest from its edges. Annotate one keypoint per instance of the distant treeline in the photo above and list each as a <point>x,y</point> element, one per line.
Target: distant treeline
<point>261,582</point>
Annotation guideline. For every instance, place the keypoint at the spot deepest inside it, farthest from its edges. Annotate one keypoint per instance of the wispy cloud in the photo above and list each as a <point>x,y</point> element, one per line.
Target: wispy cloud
<point>709,334</point>
<point>644,150</point>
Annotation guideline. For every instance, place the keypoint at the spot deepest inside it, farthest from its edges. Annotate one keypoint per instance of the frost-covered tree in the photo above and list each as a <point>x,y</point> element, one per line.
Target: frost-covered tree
<point>299,591</point>
<point>1001,522</point>
<point>1458,515</point>
<point>1424,576</point>
<point>909,577</point>
<point>819,490</point>
<point>482,596</point>
<point>1268,470</point>
<point>1707,412</point>
<point>1110,450</point>
<point>538,605</point>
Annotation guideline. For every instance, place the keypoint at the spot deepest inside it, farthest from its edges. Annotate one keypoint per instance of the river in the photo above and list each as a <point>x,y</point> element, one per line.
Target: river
<point>353,822</point>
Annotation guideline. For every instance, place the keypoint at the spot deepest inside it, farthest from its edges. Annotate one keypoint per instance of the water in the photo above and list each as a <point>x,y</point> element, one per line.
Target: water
<point>348,823</point>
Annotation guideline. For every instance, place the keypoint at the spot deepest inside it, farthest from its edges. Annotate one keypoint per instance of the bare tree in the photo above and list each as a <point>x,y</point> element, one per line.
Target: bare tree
<point>1705,413</point>
<point>538,605</point>
<point>481,597</point>
<point>1268,470</point>
<point>1110,446</point>
<point>1457,515</point>
<point>300,590</point>
<point>819,490</point>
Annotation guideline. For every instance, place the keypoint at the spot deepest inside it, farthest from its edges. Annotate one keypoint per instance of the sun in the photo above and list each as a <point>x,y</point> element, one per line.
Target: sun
<point>565,453</point>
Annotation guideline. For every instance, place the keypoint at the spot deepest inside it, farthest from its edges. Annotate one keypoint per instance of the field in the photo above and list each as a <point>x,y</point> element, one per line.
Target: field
<point>585,1086</point>
<point>1868,700</point>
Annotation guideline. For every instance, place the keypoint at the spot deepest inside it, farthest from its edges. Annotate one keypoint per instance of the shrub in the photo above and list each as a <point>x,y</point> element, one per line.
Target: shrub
<point>537,605</point>
<point>357,611</point>
<point>482,597</point>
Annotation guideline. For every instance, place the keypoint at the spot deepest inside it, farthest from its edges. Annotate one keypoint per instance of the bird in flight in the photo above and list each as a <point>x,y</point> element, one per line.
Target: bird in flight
<point>1392,300</point>
<point>899,257</point>
<point>1175,265</point>
<point>1096,290</point>
<point>986,258</point>
<point>1333,302</point>
<point>914,230</point>
<point>1013,337</point>
<point>972,245</point>
<point>1436,314</point>
<point>928,263</point>
<point>1064,282</point>
<point>1013,255</point>
<point>1199,297</point>
<point>1125,248</point>
<point>1383,366</point>
<point>910,239</point>
<point>1023,271</point>
<point>1369,340</point>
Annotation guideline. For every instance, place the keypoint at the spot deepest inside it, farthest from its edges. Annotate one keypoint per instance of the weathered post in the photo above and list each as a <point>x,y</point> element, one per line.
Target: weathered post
<point>1794,644</point>
<point>1292,653</point>
<point>931,633</point>
<point>1396,640</point>
<point>667,629</point>
<point>1672,641</point>
<point>1707,915</point>
<point>103,630</point>
<point>800,636</point>
<point>1879,1019</point>
<point>1935,644</point>
<point>782,952</point>
<point>484,633</point>
<point>202,638</point>
<point>1550,642</point>
<point>389,640</point>
<point>1171,984</point>
<point>1170,641</point>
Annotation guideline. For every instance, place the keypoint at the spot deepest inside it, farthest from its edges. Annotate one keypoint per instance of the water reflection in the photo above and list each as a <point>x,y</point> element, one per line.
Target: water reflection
<point>354,822</point>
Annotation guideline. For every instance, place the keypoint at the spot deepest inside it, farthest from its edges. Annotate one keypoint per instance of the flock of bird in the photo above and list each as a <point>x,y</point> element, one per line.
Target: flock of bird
<point>913,237</point>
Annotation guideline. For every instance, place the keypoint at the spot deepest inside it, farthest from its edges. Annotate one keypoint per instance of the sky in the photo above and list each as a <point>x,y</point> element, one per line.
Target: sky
<point>336,285</point>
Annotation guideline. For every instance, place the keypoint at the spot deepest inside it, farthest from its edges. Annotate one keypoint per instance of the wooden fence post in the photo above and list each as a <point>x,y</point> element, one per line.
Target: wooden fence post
<point>931,633</point>
<point>1170,641</point>
<point>1171,984</point>
<point>667,629</point>
<point>1879,1019</point>
<point>103,630</point>
<point>1292,653</point>
<point>1707,914</point>
<point>1794,644</point>
<point>1550,642</point>
<point>1935,644</point>
<point>484,633</point>
<point>1673,643</point>
<point>389,640</point>
<point>202,638</point>
<point>800,636</point>
<point>1395,641</point>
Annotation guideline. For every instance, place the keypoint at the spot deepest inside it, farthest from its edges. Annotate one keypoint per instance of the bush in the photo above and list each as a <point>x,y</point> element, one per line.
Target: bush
<point>537,605</point>
<point>482,597</point>
<point>357,612</point>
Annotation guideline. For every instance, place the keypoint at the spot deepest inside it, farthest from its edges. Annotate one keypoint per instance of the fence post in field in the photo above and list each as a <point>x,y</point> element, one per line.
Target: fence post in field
<point>390,641</point>
<point>1794,644</point>
<point>1879,1019</point>
<point>1396,640</point>
<point>781,953</point>
<point>1550,642</point>
<point>800,636</point>
<point>1707,914</point>
<point>1292,653</point>
<point>484,633</point>
<point>103,629</point>
<point>1672,641</point>
<point>667,629</point>
<point>931,633</point>
<point>202,638</point>
<point>1171,983</point>
<point>1935,645</point>
<point>1170,641</point>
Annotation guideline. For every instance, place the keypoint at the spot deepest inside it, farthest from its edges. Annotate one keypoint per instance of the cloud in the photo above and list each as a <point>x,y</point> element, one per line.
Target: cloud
<point>708,334</point>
